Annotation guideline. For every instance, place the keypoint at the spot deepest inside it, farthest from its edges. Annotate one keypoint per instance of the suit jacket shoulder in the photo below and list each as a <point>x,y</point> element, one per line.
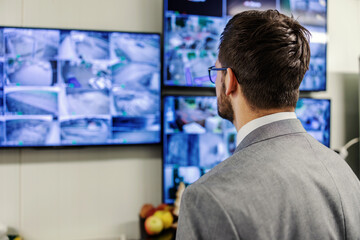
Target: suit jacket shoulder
<point>280,184</point>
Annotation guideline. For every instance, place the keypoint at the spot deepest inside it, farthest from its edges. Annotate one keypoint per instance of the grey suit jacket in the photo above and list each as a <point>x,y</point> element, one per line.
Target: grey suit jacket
<point>279,184</point>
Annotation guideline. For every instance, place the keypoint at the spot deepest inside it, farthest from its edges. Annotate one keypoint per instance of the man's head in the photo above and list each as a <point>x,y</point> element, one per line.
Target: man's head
<point>268,54</point>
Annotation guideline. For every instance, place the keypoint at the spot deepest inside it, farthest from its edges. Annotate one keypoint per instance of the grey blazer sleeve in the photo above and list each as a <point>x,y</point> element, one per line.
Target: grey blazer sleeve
<point>203,217</point>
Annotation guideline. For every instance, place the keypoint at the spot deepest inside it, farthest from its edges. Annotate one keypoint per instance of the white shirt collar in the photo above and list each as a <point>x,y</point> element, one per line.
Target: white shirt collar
<point>259,122</point>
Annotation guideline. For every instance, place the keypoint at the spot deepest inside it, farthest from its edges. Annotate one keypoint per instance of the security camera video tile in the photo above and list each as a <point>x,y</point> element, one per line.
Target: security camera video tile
<point>86,74</point>
<point>87,45</point>
<point>314,115</point>
<point>196,7</point>
<point>31,132</point>
<point>1,101</point>
<point>31,102</point>
<point>236,6</point>
<point>315,77</point>
<point>135,103</point>
<point>1,74</point>
<point>195,138</point>
<point>2,50</point>
<point>2,131</point>
<point>87,102</point>
<point>85,130</point>
<point>31,43</point>
<point>139,48</point>
<point>137,76</point>
<point>191,45</point>
<point>27,72</point>
<point>308,12</point>
<point>140,129</point>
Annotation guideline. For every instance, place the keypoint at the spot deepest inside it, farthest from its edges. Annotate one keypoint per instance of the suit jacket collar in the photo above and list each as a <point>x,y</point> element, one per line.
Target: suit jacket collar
<point>271,130</point>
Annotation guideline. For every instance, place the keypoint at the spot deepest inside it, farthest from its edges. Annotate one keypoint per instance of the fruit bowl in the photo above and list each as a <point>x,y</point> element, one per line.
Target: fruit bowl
<point>157,223</point>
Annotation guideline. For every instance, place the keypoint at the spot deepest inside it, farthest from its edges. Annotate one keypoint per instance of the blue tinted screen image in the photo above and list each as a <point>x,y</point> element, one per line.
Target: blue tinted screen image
<point>315,77</point>
<point>30,72</point>
<point>196,139</point>
<point>23,101</point>
<point>308,12</point>
<point>31,43</point>
<point>2,42</point>
<point>1,74</point>
<point>86,45</point>
<point>79,87</point>
<point>31,131</point>
<point>191,46</point>
<point>314,115</point>
<point>191,37</point>
<point>83,130</point>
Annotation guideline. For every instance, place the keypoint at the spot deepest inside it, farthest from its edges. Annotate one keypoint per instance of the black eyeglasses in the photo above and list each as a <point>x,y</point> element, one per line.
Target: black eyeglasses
<point>213,68</point>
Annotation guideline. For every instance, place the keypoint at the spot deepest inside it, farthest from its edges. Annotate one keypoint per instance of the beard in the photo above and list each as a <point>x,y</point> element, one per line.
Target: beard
<point>225,109</point>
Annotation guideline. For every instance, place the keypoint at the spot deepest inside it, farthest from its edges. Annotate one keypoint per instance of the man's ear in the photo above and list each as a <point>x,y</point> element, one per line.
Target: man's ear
<point>232,85</point>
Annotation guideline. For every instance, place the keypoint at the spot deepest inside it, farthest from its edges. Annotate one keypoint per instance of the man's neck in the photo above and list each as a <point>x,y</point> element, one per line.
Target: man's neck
<point>246,114</point>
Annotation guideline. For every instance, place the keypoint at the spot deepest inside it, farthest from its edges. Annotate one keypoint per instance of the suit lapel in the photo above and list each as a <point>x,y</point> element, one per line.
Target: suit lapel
<point>271,130</point>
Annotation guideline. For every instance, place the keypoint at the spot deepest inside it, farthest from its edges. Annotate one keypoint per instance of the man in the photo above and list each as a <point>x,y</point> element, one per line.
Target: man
<point>280,183</point>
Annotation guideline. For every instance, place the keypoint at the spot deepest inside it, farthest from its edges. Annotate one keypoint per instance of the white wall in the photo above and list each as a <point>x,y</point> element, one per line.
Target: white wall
<point>343,74</point>
<point>97,192</point>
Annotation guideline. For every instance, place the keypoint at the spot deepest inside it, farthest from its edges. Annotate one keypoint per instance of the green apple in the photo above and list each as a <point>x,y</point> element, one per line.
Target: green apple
<point>166,217</point>
<point>153,225</point>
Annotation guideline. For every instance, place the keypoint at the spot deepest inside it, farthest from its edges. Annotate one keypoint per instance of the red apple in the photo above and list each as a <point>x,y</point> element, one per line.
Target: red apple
<point>153,225</point>
<point>145,210</point>
<point>162,206</point>
<point>150,212</point>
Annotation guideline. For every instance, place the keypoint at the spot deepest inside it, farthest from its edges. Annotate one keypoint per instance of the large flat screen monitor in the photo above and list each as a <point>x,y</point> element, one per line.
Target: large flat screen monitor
<point>196,139</point>
<point>192,31</point>
<point>76,87</point>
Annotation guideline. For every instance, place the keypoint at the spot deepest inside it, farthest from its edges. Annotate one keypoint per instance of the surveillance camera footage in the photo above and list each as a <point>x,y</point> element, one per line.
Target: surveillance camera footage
<point>196,139</point>
<point>76,87</point>
<point>31,131</point>
<point>85,130</point>
<point>308,12</point>
<point>191,37</point>
<point>314,115</point>
<point>31,43</point>
<point>93,74</point>
<point>25,101</point>
<point>2,50</point>
<point>30,72</point>
<point>315,77</point>
<point>191,46</point>
<point>86,45</point>
<point>1,74</point>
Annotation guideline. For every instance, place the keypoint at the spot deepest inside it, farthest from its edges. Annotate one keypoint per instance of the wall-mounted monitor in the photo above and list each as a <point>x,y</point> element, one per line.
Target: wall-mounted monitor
<point>315,77</point>
<point>192,31</point>
<point>308,12</point>
<point>196,139</point>
<point>78,87</point>
<point>314,115</point>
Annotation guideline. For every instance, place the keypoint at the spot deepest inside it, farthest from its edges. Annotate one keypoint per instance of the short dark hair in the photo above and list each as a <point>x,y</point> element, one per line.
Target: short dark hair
<point>269,54</point>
